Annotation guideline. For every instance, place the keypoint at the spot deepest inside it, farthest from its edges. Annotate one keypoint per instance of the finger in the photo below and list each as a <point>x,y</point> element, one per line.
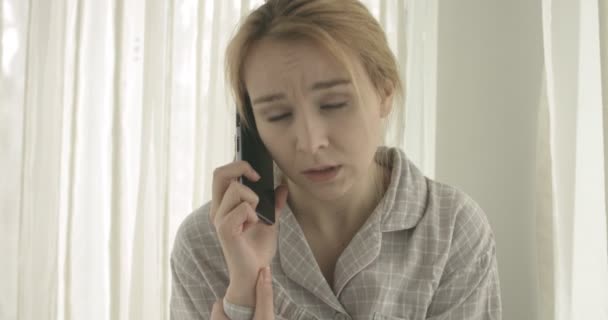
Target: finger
<point>217,311</point>
<point>237,221</point>
<point>264,305</point>
<point>234,196</point>
<point>222,176</point>
<point>280,193</point>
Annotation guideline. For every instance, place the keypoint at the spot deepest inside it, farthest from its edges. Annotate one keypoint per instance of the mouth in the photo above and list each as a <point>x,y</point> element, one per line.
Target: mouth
<point>322,173</point>
<point>320,169</point>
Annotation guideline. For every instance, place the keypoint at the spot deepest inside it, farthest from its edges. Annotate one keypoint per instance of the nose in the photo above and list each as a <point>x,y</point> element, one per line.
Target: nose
<point>311,134</point>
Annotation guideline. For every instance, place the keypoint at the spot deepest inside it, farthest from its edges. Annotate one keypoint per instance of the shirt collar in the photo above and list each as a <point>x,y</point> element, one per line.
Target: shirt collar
<point>401,208</point>
<point>405,199</point>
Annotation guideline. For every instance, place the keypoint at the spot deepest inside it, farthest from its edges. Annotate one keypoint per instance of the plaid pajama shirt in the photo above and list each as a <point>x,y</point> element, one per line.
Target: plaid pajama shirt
<point>426,252</point>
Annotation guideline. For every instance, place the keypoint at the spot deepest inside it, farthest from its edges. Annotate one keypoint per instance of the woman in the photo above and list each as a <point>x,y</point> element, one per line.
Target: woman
<point>360,232</point>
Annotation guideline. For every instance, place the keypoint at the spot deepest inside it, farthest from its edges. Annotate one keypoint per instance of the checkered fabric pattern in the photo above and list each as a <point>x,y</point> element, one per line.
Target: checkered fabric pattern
<point>426,252</point>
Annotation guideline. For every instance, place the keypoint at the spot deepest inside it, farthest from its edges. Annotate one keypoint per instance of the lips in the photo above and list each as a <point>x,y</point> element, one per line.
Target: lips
<point>320,169</point>
<point>322,174</point>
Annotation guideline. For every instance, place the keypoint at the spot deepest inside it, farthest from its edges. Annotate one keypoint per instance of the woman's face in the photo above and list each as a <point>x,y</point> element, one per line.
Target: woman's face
<point>308,116</point>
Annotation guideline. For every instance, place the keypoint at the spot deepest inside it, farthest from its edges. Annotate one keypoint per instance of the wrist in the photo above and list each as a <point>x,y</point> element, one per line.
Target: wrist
<point>241,293</point>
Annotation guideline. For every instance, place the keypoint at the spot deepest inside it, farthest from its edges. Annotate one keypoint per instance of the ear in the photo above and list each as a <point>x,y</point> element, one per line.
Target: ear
<point>386,98</point>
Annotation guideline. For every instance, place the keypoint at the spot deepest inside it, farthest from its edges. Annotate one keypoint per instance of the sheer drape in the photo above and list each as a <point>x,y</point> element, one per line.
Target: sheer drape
<point>603,30</point>
<point>113,116</point>
<point>571,207</point>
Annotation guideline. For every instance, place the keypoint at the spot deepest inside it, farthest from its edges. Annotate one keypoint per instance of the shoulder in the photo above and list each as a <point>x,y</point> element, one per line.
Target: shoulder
<point>461,223</point>
<point>452,204</point>
<point>431,208</point>
<point>194,228</point>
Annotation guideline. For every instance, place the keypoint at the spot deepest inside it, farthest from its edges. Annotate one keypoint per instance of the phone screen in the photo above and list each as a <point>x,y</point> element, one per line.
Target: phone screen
<point>249,147</point>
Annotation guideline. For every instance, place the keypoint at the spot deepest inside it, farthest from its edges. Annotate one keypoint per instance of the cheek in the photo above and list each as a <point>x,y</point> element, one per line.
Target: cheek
<point>281,154</point>
<point>275,142</point>
<point>358,128</point>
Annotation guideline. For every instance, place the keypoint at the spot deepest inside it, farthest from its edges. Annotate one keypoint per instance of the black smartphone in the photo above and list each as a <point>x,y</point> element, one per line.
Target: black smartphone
<point>249,147</point>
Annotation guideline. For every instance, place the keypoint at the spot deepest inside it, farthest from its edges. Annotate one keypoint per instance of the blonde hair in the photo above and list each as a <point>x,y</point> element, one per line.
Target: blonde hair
<point>336,25</point>
<point>342,27</point>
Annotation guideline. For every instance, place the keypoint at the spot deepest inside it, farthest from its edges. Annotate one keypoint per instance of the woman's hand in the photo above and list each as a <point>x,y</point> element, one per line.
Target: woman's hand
<point>248,244</point>
<point>264,305</point>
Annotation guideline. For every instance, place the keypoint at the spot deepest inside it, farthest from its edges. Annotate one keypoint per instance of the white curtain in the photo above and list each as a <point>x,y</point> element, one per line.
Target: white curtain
<point>603,30</point>
<point>113,115</point>
<point>571,162</point>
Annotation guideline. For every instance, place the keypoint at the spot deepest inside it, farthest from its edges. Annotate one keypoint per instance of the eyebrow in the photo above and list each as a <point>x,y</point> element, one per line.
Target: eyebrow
<point>317,86</point>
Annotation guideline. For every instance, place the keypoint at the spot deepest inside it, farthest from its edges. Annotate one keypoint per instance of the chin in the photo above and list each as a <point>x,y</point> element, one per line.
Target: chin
<point>328,192</point>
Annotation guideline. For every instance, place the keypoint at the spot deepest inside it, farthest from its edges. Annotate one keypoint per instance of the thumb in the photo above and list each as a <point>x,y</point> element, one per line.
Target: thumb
<point>264,305</point>
<point>281,193</point>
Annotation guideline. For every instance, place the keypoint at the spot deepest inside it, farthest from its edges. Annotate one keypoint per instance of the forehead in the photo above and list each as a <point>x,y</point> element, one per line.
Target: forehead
<point>276,65</point>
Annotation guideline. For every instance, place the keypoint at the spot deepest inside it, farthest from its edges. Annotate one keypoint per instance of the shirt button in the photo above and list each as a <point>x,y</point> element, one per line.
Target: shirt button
<point>341,316</point>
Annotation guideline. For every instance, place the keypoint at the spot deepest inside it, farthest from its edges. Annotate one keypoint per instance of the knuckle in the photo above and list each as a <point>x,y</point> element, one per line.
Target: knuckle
<point>217,172</point>
<point>250,195</point>
<point>241,164</point>
<point>233,188</point>
<point>245,207</point>
<point>234,184</point>
<point>245,166</point>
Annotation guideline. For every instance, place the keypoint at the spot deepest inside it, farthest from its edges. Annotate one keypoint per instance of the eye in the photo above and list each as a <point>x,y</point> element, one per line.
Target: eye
<point>333,106</point>
<point>279,117</point>
<point>324,107</point>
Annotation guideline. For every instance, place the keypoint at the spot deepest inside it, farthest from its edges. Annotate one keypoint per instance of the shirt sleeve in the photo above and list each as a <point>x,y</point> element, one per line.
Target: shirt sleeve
<point>191,297</point>
<point>198,280</point>
<point>236,312</point>
<point>469,287</point>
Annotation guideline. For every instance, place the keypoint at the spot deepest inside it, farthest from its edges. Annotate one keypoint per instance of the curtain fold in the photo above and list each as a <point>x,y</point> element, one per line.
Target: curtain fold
<point>603,31</point>
<point>150,273</point>
<point>545,236</point>
<point>571,204</point>
<point>71,111</point>
<point>39,187</point>
<point>116,251</point>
